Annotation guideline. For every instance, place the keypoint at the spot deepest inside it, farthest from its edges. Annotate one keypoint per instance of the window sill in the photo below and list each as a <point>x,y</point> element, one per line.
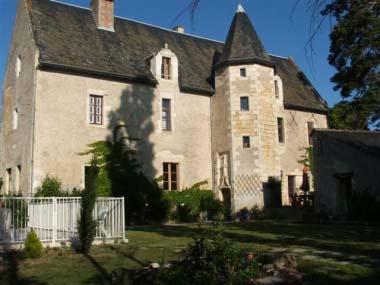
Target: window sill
<point>167,131</point>
<point>95,126</point>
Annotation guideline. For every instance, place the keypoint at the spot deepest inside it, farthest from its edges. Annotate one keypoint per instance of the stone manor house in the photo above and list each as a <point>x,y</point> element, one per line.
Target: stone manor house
<point>229,113</point>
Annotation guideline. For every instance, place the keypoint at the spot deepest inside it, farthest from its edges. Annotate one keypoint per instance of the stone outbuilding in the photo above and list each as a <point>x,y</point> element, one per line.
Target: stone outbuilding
<point>345,162</point>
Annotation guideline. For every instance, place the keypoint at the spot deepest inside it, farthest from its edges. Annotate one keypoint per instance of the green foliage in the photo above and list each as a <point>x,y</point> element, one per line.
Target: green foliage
<point>364,206</point>
<point>1,183</point>
<point>256,212</point>
<point>51,187</point>
<point>211,259</point>
<point>307,159</point>
<point>120,175</point>
<point>355,53</point>
<point>32,246</point>
<point>347,115</point>
<point>187,205</point>
<point>87,224</point>
<point>212,206</point>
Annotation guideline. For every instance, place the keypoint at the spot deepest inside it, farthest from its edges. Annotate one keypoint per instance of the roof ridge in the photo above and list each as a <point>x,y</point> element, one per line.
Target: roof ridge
<point>143,23</point>
<point>347,131</point>
<point>279,56</point>
<point>169,30</point>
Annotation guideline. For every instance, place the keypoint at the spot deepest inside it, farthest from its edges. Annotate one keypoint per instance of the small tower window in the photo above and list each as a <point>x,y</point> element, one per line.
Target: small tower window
<point>18,66</point>
<point>244,103</point>
<point>276,89</point>
<point>166,68</point>
<point>310,128</point>
<point>15,119</point>
<point>281,131</point>
<point>246,142</point>
<point>243,72</point>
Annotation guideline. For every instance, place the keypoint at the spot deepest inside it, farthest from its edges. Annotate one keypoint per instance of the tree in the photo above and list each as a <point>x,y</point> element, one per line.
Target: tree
<point>355,53</point>
<point>349,115</point>
<point>87,224</point>
<point>144,201</point>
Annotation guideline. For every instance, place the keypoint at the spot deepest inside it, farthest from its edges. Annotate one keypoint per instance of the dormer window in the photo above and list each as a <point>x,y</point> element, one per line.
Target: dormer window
<point>166,68</point>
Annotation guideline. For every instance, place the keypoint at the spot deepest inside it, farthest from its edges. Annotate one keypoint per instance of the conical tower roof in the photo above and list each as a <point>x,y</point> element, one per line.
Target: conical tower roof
<point>243,43</point>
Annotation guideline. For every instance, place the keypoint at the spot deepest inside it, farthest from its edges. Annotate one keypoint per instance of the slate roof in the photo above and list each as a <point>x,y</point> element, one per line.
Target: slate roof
<point>68,39</point>
<point>366,141</point>
<point>242,42</point>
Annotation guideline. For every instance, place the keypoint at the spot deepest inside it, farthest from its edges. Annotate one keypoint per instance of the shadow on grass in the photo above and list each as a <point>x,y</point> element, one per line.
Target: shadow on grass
<point>9,273</point>
<point>130,255</point>
<point>103,277</point>
<point>339,242</point>
<point>315,274</point>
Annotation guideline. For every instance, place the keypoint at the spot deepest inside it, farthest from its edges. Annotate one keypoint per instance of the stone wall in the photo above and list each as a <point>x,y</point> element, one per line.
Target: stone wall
<point>296,142</point>
<point>18,92</point>
<point>62,128</point>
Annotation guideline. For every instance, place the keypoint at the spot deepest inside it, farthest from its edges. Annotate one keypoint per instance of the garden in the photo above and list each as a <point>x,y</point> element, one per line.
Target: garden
<point>325,254</point>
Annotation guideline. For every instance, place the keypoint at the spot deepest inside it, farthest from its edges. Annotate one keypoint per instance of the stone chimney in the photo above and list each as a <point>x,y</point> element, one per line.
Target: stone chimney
<point>103,12</point>
<point>179,29</point>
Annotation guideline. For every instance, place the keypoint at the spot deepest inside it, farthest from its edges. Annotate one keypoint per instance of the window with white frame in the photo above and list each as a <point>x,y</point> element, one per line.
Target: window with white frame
<point>96,110</point>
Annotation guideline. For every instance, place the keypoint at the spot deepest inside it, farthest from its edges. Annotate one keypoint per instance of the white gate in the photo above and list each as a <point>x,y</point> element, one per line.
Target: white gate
<point>55,219</point>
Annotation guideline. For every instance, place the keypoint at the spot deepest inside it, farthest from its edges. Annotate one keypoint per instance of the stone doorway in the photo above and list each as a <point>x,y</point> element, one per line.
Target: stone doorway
<point>226,193</point>
<point>343,193</point>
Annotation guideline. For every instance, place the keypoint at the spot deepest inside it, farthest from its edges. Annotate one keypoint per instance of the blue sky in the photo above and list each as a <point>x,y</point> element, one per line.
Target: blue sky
<point>281,34</point>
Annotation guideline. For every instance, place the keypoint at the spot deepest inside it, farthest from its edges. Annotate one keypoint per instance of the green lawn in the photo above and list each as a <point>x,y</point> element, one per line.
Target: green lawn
<point>327,254</point>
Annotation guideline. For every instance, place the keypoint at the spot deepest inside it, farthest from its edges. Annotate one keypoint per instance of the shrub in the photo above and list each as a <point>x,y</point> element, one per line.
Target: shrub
<point>211,259</point>
<point>212,206</point>
<point>256,213</point>
<point>183,213</point>
<point>51,187</point>
<point>187,205</point>
<point>87,224</point>
<point>32,246</point>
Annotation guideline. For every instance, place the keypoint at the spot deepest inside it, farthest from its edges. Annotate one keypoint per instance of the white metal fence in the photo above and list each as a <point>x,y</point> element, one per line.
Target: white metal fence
<point>55,219</point>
